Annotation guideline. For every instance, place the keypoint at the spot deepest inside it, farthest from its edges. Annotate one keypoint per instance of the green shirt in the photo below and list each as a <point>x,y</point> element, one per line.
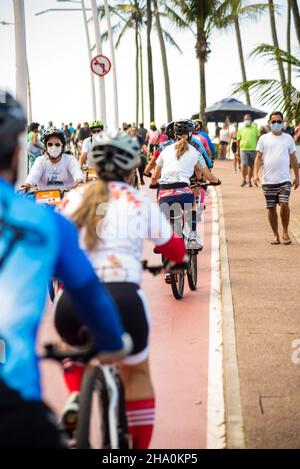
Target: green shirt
<point>247,137</point>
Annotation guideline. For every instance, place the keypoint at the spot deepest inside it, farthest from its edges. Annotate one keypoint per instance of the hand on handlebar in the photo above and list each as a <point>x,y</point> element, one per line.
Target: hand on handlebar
<point>174,268</point>
<point>115,355</point>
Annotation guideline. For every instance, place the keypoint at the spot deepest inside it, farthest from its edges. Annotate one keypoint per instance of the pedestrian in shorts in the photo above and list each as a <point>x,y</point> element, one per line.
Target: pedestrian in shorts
<point>277,151</point>
<point>246,149</point>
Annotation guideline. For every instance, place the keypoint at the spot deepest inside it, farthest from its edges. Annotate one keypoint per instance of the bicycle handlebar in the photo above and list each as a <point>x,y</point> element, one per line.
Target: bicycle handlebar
<point>191,186</point>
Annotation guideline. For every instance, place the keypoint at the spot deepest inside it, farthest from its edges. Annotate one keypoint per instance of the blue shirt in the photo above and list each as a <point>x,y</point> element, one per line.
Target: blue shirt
<point>36,243</point>
<point>210,143</point>
<point>200,147</point>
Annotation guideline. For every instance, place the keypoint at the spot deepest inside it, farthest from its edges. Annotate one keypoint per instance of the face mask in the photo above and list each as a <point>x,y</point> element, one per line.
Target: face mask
<point>54,152</point>
<point>247,123</point>
<point>276,127</point>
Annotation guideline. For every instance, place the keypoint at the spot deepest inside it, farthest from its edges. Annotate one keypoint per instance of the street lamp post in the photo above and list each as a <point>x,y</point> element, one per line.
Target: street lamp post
<point>21,76</point>
<point>113,61</point>
<point>86,27</point>
<point>99,51</point>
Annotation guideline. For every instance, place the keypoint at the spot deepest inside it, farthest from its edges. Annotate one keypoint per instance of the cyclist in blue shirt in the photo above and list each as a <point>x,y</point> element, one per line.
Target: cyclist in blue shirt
<point>35,244</point>
<point>205,135</point>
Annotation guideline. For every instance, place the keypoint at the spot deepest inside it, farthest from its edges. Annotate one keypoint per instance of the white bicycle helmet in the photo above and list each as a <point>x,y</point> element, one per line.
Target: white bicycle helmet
<point>116,154</point>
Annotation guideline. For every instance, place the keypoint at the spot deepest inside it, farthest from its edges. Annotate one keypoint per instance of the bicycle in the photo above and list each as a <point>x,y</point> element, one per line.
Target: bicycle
<point>101,398</point>
<point>177,280</point>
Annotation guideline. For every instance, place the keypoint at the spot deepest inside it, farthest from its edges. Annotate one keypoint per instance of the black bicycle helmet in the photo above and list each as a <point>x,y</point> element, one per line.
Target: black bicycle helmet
<point>12,120</point>
<point>116,155</point>
<point>184,127</point>
<point>54,132</point>
<point>170,129</point>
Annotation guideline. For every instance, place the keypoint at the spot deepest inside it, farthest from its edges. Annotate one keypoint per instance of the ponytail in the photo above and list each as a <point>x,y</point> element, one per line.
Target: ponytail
<point>86,215</point>
<point>181,147</point>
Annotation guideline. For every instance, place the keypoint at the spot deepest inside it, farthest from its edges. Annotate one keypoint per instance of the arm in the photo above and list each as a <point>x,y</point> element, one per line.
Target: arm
<point>94,306</point>
<point>35,174</point>
<point>150,165</point>
<point>156,174</point>
<point>257,165</point>
<point>295,166</point>
<point>75,171</point>
<point>206,174</point>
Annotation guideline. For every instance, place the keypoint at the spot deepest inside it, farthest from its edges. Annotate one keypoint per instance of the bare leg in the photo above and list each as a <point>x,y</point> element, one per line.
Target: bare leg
<point>250,173</point>
<point>285,218</point>
<point>244,172</point>
<point>273,219</point>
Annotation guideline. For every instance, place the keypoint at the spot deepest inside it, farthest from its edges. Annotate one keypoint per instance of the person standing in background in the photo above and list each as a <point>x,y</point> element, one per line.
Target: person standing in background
<point>142,132</point>
<point>277,151</point>
<point>224,140</point>
<point>247,138</point>
<point>233,143</point>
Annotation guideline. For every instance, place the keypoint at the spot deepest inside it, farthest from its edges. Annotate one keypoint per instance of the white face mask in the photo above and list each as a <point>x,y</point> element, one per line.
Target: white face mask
<point>54,151</point>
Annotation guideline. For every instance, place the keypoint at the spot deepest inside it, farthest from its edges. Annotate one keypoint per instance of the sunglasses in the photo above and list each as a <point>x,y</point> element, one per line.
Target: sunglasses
<point>54,144</point>
<point>276,122</point>
<point>96,131</point>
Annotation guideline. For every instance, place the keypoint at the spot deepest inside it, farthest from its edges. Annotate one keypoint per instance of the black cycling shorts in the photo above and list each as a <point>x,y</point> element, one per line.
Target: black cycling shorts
<point>134,312</point>
<point>26,424</point>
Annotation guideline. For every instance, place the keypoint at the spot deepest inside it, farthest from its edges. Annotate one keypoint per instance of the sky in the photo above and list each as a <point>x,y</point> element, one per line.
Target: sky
<point>60,72</point>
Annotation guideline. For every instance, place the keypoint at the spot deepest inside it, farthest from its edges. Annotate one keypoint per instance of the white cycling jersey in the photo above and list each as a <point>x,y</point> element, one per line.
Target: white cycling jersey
<point>64,174</point>
<point>130,218</point>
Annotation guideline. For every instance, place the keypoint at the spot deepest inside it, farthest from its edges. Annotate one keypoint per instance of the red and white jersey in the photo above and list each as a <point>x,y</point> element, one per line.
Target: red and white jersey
<point>130,218</point>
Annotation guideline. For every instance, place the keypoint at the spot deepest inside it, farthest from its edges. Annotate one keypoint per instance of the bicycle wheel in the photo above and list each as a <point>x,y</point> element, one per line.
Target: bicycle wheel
<point>177,284</point>
<point>192,271</point>
<point>93,423</point>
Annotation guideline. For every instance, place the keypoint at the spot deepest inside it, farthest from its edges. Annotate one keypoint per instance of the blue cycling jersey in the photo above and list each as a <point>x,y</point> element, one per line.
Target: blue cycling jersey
<point>200,147</point>
<point>210,143</point>
<point>35,244</point>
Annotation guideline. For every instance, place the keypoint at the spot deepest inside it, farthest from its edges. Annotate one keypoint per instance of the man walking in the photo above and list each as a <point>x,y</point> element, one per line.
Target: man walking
<point>277,151</point>
<point>246,148</point>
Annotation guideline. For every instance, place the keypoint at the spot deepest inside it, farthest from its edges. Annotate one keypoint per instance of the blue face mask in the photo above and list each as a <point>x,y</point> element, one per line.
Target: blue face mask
<point>276,127</point>
<point>247,123</point>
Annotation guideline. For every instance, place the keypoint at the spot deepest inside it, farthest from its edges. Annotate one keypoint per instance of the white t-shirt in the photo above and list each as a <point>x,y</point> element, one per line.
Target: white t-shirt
<point>276,151</point>
<point>63,174</point>
<point>177,170</point>
<point>224,135</point>
<point>87,148</point>
<point>130,218</point>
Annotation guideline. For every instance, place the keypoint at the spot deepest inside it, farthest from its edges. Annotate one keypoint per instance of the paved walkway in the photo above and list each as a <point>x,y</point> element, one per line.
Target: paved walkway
<point>265,285</point>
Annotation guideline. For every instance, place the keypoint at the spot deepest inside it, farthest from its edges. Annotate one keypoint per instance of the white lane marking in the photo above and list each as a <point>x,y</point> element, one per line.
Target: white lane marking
<point>215,401</point>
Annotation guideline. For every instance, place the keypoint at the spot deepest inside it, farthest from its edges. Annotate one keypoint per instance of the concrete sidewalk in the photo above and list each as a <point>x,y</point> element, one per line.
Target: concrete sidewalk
<point>265,285</point>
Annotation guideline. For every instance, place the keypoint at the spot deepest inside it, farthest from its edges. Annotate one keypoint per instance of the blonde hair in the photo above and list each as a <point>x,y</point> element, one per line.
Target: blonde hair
<point>181,147</point>
<point>86,215</point>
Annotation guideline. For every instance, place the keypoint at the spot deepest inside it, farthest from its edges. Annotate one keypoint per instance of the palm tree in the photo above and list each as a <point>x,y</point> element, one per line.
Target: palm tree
<point>272,91</point>
<point>288,41</point>
<point>150,61</point>
<point>276,43</point>
<point>200,16</point>
<point>295,9</point>
<point>235,11</point>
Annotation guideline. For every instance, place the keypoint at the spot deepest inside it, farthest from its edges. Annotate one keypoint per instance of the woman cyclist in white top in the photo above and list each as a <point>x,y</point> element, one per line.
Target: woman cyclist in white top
<point>175,166</point>
<point>113,220</point>
<point>54,168</point>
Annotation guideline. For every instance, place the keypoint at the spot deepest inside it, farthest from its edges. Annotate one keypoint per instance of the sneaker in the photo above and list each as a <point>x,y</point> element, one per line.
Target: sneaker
<point>168,278</point>
<point>194,241</point>
<point>70,413</point>
<point>250,184</point>
<point>244,183</point>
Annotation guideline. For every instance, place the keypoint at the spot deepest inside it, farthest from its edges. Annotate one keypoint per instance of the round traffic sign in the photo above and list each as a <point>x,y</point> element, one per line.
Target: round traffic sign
<point>100,65</point>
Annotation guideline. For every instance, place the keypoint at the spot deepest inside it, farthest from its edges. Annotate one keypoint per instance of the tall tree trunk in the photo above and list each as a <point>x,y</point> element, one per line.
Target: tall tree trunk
<point>241,55</point>
<point>150,64</point>
<point>276,44</point>
<point>201,50</point>
<point>137,73</point>
<point>295,8</point>
<point>142,79</point>
<point>164,62</point>
<point>288,40</point>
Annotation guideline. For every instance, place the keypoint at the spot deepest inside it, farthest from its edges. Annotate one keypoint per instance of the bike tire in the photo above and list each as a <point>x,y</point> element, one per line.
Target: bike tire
<point>192,271</point>
<point>177,284</point>
<point>92,382</point>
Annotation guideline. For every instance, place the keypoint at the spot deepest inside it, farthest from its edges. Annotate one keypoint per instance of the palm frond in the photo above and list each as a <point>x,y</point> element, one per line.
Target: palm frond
<point>274,54</point>
<point>169,39</point>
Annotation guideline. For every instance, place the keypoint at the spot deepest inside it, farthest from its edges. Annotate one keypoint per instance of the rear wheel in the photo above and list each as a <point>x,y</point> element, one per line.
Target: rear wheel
<point>177,284</point>
<point>93,423</point>
<point>192,271</point>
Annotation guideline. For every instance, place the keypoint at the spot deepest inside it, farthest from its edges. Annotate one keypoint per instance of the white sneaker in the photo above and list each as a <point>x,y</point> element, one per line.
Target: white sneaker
<point>70,412</point>
<point>194,241</point>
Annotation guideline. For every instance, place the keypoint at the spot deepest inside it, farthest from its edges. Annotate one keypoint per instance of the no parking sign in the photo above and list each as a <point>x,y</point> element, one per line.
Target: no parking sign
<point>100,65</point>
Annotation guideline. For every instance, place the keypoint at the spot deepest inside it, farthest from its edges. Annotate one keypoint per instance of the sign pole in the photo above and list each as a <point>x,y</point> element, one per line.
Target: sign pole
<point>21,77</point>
<point>90,58</point>
<point>114,68</point>
<point>99,51</point>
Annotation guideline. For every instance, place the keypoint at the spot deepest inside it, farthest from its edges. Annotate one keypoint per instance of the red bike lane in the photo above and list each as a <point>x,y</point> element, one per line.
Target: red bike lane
<point>179,353</point>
